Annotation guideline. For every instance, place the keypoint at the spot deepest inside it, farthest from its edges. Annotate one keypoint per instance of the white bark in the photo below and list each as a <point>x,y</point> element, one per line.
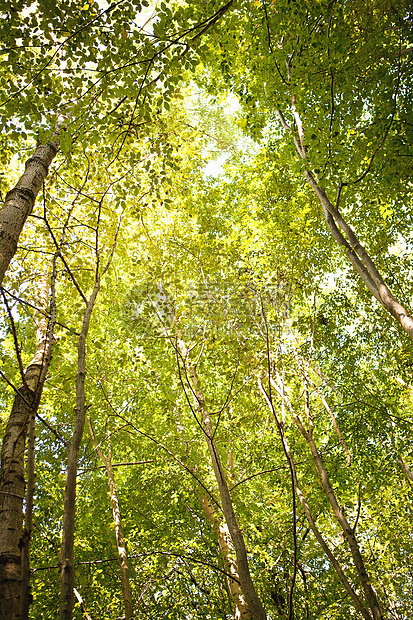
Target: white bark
<point>248,588</point>
<point>120,542</point>
<point>19,201</point>
<point>226,547</point>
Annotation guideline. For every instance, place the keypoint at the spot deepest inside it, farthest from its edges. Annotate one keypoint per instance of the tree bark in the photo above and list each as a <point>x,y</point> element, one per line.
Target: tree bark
<point>13,545</point>
<point>28,521</point>
<point>354,250</point>
<point>348,531</point>
<point>242,612</point>
<point>67,571</point>
<point>357,602</point>
<point>20,200</point>
<point>237,538</point>
<point>385,296</point>
<point>120,542</point>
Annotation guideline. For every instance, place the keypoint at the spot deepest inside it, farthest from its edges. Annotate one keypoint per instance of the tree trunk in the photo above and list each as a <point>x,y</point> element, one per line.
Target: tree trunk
<point>226,547</point>
<point>12,484</point>
<point>237,538</point>
<point>124,570</point>
<point>348,531</point>
<point>28,521</point>
<point>67,571</point>
<point>354,250</point>
<point>357,602</point>
<point>383,295</point>
<point>19,201</point>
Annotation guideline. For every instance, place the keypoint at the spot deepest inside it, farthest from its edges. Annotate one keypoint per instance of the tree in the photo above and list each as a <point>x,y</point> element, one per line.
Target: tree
<point>14,543</point>
<point>342,140</point>
<point>107,461</point>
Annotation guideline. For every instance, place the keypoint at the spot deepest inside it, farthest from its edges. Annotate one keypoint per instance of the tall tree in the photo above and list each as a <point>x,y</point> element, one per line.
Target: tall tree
<point>14,546</point>
<point>120,541</point>
<point>340,75</point>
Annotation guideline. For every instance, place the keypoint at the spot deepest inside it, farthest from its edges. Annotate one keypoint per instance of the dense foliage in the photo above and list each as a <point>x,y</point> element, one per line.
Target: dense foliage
<point>232,347</point>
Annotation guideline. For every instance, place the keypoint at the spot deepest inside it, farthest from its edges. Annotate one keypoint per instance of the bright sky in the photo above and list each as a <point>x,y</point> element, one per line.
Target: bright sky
<point>215,167</point>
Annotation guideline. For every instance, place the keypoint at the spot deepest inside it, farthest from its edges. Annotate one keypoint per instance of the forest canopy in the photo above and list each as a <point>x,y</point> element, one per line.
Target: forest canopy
<point>206,328</point>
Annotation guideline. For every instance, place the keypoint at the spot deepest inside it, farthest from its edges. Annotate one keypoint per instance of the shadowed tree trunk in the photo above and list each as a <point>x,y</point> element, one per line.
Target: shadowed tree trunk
<point>20,200</point>
<point>67,569</point>
<point>14,546</point>
<point>348,531</point>
<point>357,601</point>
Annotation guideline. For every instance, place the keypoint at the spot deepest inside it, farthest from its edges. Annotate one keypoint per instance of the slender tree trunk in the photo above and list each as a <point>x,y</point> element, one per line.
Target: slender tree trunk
<point>82,604</point>
<point>357,602</point>
<point>348,531</point>
<point>67,572</point>
<point>124,569</point>
<point>19,201</point>
<point>383,295</point>
<point>237,538</point>
<point>67,569</point>
<point>226,547</point>
<point>13,544</point>
<point>354,250</point>
<point>406,469</point>
<point>28,521</point>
